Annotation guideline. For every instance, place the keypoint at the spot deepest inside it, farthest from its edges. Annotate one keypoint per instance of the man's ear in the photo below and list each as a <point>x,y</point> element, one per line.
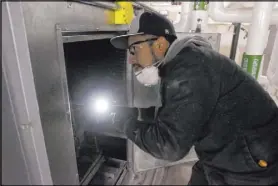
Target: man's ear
<point>160,46</point>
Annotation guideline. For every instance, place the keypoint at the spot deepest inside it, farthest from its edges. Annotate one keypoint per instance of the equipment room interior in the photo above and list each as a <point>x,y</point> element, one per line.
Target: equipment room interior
<point>63,83</point>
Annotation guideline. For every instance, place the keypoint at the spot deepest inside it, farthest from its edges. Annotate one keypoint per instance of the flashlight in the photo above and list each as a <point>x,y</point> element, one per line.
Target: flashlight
<point>99,105</point>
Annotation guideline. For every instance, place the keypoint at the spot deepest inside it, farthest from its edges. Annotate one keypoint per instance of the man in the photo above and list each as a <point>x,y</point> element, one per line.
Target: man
<point>208,102</point>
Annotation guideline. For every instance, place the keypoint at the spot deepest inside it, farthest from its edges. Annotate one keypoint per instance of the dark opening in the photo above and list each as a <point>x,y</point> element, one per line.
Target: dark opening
<point>95,69</point>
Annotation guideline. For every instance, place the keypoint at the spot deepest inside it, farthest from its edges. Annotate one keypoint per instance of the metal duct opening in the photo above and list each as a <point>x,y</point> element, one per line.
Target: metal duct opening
<point>95,70</point>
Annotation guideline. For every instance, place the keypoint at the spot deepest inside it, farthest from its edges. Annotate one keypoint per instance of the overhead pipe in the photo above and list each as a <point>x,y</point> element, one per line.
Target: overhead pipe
<point>258,34</point>
<point>218,13</point>
<point>184,23</point>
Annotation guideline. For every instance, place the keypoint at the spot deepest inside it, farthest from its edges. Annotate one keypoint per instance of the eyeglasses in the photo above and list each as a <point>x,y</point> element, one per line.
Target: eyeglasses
<point>131,48</point>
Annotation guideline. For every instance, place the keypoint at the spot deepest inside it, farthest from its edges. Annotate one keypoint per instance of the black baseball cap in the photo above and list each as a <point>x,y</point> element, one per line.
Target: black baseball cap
<point>146,23</point>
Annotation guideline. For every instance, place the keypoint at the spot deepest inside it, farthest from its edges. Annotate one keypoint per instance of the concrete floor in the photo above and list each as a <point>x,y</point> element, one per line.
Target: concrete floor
<point>174,175</point>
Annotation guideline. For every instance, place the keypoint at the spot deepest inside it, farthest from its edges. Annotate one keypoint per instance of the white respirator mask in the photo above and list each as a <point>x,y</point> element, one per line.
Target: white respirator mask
<point>149,76</point>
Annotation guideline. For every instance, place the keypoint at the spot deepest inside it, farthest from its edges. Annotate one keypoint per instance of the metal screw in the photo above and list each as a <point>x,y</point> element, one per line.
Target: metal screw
<point>25,126</point>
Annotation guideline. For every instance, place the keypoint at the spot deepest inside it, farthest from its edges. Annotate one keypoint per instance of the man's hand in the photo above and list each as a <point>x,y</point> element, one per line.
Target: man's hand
<point>121,116</point>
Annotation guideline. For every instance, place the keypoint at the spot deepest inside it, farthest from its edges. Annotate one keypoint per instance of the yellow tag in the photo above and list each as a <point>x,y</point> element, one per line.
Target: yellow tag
<point>122,16</point>
<point>262,163</point>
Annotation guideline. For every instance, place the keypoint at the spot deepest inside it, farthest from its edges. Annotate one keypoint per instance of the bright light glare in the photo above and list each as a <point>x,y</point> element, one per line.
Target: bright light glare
<point>100,105</point>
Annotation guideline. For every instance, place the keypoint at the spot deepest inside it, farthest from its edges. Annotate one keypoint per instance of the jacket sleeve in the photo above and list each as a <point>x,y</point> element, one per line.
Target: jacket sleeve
<point>189,98</point>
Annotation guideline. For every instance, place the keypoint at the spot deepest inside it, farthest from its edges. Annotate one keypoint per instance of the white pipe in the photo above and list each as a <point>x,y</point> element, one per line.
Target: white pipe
<point>258,32</point>
<point>183,25</point>
<point>272,70</point>
<point>218,13</point>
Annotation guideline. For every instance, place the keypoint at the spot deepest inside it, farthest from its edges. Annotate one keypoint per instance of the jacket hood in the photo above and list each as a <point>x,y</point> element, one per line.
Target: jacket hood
<point>179,44</point>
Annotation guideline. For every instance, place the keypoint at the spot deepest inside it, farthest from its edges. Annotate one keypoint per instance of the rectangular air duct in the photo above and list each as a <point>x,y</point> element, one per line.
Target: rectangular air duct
<point>94,70</point>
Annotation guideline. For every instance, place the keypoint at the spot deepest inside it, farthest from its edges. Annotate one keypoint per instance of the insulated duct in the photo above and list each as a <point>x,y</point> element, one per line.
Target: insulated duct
<point>183,25</point>
<point>217,12</point>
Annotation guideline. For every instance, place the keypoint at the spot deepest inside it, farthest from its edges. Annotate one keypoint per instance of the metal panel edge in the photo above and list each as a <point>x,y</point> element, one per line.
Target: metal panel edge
<point>62,64</point>
<point>20,82</point>
<point>40,20</point>
<point>91,28</point>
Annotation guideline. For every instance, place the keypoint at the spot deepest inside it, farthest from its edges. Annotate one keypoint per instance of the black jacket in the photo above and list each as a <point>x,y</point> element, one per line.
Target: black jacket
<point>211,103</point>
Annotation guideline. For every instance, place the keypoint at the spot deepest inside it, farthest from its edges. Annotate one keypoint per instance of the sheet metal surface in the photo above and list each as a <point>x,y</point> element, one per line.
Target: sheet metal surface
<point>44,23</point>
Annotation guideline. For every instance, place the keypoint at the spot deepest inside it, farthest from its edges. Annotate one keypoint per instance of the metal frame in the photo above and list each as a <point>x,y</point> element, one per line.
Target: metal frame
<point>87,37</point>
<point>92,27</point>
<point>123,172</point>
<point>19,81</point>
<point>92,32</point>
<point>92,170</point>
<point>75,32</point>
<point>45,23</point>
<point>62,64</point>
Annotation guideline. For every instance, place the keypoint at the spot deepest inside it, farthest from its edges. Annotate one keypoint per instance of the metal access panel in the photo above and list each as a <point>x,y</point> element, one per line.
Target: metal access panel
<point>24,158</point>
<point>94,69</point>
<point>44,23</point>
<point>140,160</point>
